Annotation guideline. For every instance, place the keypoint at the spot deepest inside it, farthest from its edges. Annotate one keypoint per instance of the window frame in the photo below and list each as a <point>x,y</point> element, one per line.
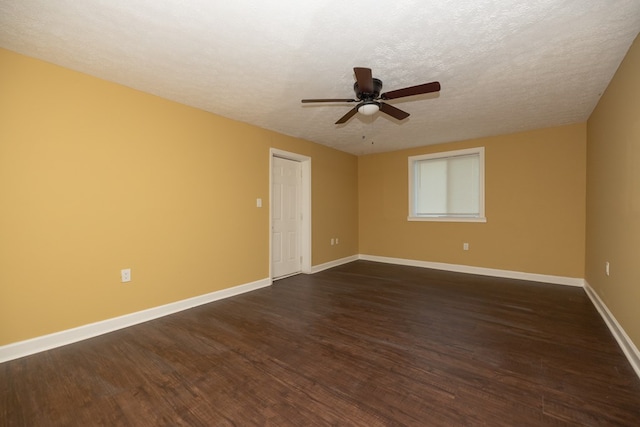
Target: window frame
<point>413,160</point>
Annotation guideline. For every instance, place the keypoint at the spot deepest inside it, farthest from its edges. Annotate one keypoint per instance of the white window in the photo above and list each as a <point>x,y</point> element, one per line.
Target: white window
<point>447,186</point>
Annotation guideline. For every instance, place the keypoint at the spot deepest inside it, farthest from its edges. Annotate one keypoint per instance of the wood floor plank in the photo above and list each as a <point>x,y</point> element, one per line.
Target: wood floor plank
<point>363,344</point>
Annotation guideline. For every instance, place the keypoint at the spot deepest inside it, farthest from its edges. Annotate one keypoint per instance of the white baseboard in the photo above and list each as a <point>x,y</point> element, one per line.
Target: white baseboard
<point>327,265</point>
<point>628,347</point>
<point>58,339</point>
<point>458,268</point>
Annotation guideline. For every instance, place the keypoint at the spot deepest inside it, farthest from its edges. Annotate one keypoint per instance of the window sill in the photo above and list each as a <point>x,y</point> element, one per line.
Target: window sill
<point>446,219</point>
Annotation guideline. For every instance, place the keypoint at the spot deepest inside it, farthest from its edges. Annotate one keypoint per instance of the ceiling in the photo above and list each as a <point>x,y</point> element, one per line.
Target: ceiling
<point>504,66</point>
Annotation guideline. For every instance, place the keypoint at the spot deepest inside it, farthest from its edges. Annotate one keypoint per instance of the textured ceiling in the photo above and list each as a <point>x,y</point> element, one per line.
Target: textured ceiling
<point>504,66</point>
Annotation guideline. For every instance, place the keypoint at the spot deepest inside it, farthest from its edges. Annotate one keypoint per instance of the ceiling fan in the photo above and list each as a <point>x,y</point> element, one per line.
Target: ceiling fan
<point>370,99</point>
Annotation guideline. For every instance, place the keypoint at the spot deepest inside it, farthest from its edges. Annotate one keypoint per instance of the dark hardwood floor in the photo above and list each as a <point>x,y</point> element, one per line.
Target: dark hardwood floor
<point>364,344</point>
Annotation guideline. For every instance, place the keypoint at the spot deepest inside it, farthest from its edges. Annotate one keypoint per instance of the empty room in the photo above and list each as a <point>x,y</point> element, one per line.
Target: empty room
<point>420,213</point>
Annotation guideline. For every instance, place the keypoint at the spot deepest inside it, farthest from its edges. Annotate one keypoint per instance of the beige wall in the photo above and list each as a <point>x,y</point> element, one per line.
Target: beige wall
<point>535,206</point>
<point>613,195</point>
<point>96,177</point>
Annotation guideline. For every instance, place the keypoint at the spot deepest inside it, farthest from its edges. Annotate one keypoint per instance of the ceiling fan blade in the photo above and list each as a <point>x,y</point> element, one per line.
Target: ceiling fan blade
<point>347,116</point>
<point>364,79</point>
<point>393,111</point>
<point>412,90</point>
<point>328,100</point>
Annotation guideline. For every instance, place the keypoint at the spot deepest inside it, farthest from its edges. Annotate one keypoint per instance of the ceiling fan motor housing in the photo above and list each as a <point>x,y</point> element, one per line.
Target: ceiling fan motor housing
<point>364,96</point>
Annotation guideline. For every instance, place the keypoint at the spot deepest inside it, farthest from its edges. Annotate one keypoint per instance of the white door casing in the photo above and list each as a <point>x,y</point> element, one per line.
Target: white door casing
<point>304,206</point>
<point>286,216</point>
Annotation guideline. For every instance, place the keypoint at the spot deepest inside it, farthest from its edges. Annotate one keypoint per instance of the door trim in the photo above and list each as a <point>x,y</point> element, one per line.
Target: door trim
<point>305,207</point>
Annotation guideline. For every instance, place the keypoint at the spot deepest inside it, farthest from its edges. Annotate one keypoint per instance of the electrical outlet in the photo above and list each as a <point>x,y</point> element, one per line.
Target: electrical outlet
<point>333,241</point>
<point>606,268</point>
<point>125,275</point>
<point>465,246</point>
<point>337,241</point>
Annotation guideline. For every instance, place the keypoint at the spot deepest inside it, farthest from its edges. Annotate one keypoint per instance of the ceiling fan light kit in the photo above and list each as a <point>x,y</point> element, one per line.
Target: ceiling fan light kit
<point>368,108</point>
<point>368,96</point>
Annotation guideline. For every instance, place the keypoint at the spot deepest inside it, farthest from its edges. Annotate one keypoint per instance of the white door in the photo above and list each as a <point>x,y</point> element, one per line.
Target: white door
<point>286,217</point>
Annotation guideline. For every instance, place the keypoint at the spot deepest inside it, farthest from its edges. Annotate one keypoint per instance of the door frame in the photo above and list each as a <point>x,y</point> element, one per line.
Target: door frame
<point>305,207</point>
